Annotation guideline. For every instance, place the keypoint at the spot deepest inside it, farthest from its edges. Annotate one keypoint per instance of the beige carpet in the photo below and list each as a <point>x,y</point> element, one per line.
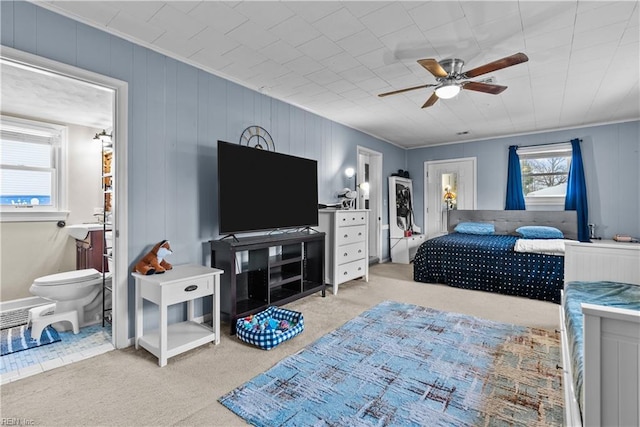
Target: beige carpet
<point>127,388</point>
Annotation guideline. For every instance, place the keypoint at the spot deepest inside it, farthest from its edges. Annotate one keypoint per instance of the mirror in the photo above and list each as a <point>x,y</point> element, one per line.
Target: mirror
<point>450,191</point>
<point>404,207</point>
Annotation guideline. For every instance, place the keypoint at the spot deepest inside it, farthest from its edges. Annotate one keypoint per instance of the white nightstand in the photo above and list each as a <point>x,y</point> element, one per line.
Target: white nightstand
<point>183,283</point>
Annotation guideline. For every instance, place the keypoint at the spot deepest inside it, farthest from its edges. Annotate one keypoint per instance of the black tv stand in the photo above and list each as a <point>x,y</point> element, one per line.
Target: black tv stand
<point>260,271</point>
<point>310,229</point>
<point>276,231</point>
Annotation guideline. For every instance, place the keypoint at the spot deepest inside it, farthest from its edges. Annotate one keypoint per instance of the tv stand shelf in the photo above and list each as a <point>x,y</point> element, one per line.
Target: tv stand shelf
<point>260,271</point>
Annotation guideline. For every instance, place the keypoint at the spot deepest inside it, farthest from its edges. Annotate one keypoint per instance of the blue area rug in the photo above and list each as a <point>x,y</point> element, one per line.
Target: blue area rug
<point>403,365</point>
<point>18,338</point>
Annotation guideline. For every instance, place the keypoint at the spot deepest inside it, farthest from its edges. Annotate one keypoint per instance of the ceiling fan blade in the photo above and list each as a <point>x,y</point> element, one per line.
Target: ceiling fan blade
<point>432,66</point>
<point>497,65</point>
<point>432,100</point>
<point>484,87</point>
<point>403,90</point>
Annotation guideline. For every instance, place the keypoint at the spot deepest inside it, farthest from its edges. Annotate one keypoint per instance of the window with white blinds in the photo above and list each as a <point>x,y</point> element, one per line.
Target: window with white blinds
<point>30,167</point>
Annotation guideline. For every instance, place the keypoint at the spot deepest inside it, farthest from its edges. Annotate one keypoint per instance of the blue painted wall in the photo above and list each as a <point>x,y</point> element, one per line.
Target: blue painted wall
<point>611,157</point>
<point>177,113</point>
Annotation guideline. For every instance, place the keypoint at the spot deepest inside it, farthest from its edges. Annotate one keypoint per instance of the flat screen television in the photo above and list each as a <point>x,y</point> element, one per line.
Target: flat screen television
<point>263,190</point>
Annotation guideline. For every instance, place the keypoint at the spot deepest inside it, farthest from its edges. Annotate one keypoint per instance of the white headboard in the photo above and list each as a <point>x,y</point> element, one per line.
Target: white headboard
<point>602,261</point>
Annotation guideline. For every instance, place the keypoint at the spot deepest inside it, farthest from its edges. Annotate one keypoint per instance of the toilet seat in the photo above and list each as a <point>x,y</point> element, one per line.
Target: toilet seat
<point>69,277</point>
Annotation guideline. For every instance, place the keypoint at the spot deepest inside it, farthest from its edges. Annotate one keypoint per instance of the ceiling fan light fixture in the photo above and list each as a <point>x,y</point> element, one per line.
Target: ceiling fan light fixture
<point>447,90</point>
<point>449,77</point>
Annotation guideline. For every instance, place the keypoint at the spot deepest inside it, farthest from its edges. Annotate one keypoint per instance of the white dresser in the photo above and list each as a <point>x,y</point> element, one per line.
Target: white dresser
<point>346,245</point>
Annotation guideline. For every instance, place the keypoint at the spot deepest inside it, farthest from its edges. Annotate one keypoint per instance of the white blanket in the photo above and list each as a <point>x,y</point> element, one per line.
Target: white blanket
<point>540,246</point>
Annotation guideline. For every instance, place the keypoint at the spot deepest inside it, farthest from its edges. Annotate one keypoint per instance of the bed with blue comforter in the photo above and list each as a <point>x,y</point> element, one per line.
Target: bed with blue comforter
<point>489,263</point>
<point>610,294</point>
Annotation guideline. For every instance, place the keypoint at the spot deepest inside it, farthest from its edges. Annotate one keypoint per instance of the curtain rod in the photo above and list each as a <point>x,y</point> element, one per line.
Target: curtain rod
<point>547,143</point>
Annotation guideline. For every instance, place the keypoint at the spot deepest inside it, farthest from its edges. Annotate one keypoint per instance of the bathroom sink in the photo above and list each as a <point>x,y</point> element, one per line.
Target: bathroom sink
<point>81,231</point>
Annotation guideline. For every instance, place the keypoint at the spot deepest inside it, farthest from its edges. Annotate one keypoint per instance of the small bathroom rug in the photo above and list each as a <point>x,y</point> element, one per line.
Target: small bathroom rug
<point>18,338</point>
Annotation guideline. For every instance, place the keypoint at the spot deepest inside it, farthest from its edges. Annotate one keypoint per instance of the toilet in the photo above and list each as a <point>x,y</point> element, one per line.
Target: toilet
<point>73,293</point>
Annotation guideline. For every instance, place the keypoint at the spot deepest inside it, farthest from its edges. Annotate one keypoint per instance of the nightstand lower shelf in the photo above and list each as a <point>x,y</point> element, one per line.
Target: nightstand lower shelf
<point>181,337</point>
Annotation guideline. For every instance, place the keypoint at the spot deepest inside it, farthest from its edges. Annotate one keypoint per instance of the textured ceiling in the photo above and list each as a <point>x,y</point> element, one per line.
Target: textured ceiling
<point>334,57</point>
<point>32,93</point>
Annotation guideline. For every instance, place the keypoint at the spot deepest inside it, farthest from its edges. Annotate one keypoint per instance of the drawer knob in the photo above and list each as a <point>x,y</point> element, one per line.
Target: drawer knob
<point>359,234</point>
<point>345,254</point>
<point>191,288</point>
<point>346,235</point>
<point>359,268</point>
<point>345,273</point>
<point>359,251</point>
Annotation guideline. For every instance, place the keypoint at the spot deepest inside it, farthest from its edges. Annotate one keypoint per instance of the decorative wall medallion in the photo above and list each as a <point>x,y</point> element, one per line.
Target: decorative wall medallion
<point>257,137</point>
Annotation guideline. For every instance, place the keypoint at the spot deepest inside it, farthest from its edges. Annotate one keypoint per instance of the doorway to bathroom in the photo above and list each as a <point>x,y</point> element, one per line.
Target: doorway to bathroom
<point>40,75</point>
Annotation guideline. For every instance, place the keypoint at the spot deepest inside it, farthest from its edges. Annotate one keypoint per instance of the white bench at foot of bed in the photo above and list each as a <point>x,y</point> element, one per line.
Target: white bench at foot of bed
<point>611,380</point>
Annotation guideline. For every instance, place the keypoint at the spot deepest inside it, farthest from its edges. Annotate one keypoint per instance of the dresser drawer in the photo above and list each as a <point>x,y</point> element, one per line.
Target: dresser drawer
<point>351,270</point>
<point>187,290</point>
<point>352,252</point>
<point>347,235</point>
<point>351,218</point>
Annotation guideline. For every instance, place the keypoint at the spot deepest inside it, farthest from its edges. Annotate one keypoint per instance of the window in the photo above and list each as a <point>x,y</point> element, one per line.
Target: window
<point>31,170</point>
<point>545,170</point>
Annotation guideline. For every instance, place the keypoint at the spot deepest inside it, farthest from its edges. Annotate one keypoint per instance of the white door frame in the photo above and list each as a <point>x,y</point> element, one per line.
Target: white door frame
<point>375,208</point>
<point>120,277</point>
<point>427,164</point>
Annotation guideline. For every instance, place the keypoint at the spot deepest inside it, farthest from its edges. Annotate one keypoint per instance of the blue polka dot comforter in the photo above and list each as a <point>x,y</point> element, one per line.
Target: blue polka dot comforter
<point>489,263</point>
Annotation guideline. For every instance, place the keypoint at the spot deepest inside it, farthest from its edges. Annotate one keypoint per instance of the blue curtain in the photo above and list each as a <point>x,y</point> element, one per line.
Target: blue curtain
<point>576,199</point>
<point>515,198</point>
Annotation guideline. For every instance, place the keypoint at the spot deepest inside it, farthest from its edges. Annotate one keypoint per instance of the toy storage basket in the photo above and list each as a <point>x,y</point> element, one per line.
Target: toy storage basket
<point>267,339</point>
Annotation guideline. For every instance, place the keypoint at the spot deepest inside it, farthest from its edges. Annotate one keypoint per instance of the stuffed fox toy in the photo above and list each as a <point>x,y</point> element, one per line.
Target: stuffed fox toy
<point>154,262</point>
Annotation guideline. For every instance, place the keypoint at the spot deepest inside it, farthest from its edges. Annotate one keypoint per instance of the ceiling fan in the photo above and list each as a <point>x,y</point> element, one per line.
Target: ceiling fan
<point>449,75</point>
